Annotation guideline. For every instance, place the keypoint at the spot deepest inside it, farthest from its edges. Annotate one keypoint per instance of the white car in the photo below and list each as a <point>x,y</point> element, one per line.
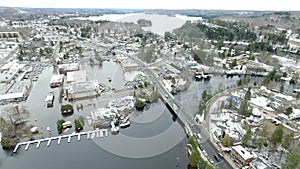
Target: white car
<point>210,160</point>
<point>204,153</point>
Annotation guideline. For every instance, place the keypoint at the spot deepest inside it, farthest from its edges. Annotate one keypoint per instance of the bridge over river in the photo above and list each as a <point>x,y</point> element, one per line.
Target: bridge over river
<point>183,116</point>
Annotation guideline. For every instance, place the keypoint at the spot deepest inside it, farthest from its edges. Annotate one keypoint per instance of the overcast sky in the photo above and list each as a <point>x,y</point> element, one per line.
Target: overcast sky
<point>159,4</point>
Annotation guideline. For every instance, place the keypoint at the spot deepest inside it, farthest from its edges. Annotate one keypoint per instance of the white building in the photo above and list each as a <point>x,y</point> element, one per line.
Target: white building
<point>103,116</point>
<point>17,92</point>
<point>84,90</point>
<point>56,81</point>
<point>76,76</point>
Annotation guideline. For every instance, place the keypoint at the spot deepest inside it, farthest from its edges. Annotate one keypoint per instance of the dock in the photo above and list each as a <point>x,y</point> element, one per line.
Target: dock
<point>93,135</point>
<point>97,132</point>
<point>69,138</point>
<point>49,141</point>
<point>78,137</point>
<point>59,140</point>
<point>38,144</point>
<point>27,146</point>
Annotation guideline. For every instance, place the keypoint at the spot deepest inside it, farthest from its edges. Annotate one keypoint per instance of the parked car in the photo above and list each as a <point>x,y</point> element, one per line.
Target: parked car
<point>217,157</point>
<point>220,155</point>
<point>201,147</point>
<point>204,153</point>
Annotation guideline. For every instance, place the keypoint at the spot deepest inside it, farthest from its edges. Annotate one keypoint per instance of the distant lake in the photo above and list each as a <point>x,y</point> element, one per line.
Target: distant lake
<point>160,23</point>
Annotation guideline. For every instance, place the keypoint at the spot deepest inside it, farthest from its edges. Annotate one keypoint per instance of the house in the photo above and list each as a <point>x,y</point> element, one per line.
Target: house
<point>241,155</point>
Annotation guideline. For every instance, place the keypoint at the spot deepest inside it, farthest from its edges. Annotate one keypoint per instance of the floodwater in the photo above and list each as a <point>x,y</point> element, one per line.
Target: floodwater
<point>153,142</point>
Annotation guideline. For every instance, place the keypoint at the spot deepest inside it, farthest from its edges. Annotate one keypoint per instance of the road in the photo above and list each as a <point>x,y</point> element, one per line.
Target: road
<point>185,116</point>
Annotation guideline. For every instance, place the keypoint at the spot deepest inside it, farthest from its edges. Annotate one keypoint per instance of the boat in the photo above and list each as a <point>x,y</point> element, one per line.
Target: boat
<point>50,99</point>
<point>114,129</point>
<point>125,124</point>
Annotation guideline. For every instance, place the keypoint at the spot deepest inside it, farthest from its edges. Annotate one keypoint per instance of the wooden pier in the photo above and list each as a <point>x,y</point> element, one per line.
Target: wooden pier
<point>97,133</point>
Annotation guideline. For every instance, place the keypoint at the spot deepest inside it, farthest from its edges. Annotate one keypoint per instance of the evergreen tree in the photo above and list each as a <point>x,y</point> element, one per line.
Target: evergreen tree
<point>277,135</point>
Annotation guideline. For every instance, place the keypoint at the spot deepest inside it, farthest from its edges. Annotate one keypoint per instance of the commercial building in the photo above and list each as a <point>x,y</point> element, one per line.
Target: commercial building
<point>56,81</point>
<point>64,68</point>
<point>17,91</point>
<point>128,67</point>
<point>84,90</point>
<point>9,34</point>
<point>9,71</point>
<point>103,116</point>
<point>76,76</point>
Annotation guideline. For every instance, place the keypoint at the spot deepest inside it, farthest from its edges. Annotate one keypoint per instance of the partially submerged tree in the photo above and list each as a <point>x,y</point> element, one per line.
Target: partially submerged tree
<point>11,125</point>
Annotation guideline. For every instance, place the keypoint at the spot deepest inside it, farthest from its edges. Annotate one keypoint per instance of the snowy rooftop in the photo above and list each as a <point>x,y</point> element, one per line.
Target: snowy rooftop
<point>261,102</point>
<point>256,112</point>
<point>131,76</point>
<point>243,152</point>
<point>57,79</point>
<point>103,113</point>
<point>288,98</point>
<point>260,163</point>
<point>78,76</point>
<point>265,89</point>
<point>295,114</point>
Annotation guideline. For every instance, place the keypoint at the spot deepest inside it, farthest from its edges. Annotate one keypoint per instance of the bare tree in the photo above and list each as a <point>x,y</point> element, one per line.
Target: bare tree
<point>16,115</point>
<point>11,124</point>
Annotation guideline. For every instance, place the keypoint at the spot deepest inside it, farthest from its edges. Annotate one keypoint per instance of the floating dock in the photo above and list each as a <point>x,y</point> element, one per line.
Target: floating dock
<point>97,132</point>
<point>38,144</point>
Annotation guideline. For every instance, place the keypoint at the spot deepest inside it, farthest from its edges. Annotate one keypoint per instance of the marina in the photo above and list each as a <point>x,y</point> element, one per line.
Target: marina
<point>97,132</point>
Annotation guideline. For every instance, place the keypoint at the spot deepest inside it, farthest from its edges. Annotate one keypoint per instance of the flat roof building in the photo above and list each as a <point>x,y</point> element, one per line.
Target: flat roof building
<point>56,81</point>
<point>76,76</point>
<point>17,92</point>
<point>260,163</point>
<point>103,116</point>
<point>84,90</point>
<point>241,155</point>
<point>64,68</point>
<point>128,67</point>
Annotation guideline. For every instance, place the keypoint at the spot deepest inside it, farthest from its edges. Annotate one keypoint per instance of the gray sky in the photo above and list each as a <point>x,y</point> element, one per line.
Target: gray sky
<point>160,4</point>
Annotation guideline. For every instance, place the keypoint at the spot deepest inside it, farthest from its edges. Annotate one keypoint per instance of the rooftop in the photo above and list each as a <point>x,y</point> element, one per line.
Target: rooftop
<point>243,152</point>
<point>76,76</point>
<point>103,113</point>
